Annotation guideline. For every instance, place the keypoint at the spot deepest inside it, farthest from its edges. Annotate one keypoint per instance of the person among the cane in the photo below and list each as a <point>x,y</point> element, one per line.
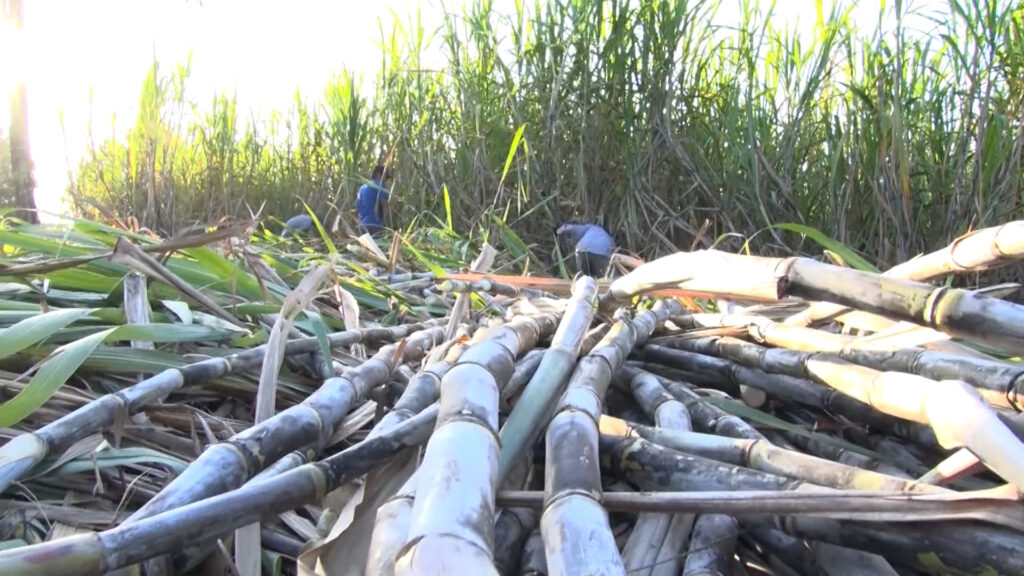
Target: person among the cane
<point>373,202</point>
<point>592,247</point>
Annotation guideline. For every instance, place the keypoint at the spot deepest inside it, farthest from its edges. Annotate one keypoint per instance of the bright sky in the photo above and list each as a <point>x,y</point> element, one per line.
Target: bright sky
<point>264,50</point>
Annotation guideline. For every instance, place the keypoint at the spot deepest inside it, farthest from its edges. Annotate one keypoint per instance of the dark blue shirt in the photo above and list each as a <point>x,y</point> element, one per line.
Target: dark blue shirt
<point>369,202</point>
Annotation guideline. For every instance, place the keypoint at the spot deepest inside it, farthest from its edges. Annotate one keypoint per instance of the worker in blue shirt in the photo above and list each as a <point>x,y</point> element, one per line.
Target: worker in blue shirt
<point>372,202</point>
<point>592,247</point>
<point>302,225</point>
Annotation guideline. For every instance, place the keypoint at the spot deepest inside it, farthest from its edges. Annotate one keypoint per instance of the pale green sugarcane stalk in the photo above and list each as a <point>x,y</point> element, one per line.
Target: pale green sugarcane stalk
<point>952,408</point>
<point>99,553</point>
<point>655,546</point>
<point>524,425</point>
<point>978,250</point>
<point>452,518</point>
<point>961,313</point>
<point>23,452</point>
<point>572,511</point>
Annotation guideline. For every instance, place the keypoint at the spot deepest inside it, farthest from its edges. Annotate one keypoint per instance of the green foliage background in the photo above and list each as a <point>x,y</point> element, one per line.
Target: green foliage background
<point>642,116</point>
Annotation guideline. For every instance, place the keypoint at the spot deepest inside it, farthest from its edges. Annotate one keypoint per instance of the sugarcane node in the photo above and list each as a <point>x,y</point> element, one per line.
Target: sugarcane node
<point>493,356</point>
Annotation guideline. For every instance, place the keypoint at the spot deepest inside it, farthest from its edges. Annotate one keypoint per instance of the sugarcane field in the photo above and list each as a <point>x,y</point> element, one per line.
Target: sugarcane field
<point>506,288</point>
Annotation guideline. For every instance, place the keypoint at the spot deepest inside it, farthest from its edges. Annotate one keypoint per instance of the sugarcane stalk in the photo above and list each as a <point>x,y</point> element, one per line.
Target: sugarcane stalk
<point>978,250</point>
<point>935,548</point>
<point>511,531</point>
<point>762,455</point>
<point>712,546</point>
<point>572,511</point>
<point>960,464</point>
<point>995,323</point>
<point>452,519</point>
<point>482,263</point>
<point>798,389</point>
<point>98,553</point>
<point>492,287</point>
<point>534,562</point>
<point>19,455</point>
<point>996,506</point>
<point>954,410</point>
<point>1000,383</point>
<point>391,524</point>
<point>227,465</point>
<point>525,368</point>
<point>523,425</point>
<point>247,538</point>
<point>656,544</point>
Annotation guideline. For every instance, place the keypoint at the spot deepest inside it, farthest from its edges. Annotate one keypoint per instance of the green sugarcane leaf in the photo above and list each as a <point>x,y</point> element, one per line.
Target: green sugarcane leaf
<point>52,374</point>
<point>233,278</point>
<point>845,253</point>
<point>447,208</point>
<point>179,309</point>
<point>11,544</point>
<point>319,329</point>
<point>115,457</point>
<point>152,332</point>
<point>31,331</point>
<point>512,152</point>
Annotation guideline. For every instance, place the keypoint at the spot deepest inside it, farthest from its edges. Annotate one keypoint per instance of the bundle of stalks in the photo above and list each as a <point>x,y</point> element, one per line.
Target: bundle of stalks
<point>560,427</point>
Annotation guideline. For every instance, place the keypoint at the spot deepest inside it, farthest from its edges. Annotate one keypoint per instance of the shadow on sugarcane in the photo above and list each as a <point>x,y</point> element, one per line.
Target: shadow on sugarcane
<point>18,456</point>
<point>215,517</point>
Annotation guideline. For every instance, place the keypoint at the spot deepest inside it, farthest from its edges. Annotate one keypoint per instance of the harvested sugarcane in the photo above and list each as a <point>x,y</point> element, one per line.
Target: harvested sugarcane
<point>978,250</point>
<point>656,544</point>
<point>712,546</point>
<point>492,287</point>
<point>816,460</point>
<point>572,488</point>
<point>961,313</point>
<point>1000,383</point>
<point>522,427</point>
<point>953,409</point>
<point>149,537</point>
<point>228,465</point>
<point>793,388</point>
<point>391,525</point>
<point>19,455</point>
<point>761,455</point>
<point>454,508</point>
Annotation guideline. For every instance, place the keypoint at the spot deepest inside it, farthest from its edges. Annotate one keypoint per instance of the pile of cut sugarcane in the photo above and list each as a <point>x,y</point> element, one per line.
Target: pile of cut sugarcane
<point>706,414</point>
